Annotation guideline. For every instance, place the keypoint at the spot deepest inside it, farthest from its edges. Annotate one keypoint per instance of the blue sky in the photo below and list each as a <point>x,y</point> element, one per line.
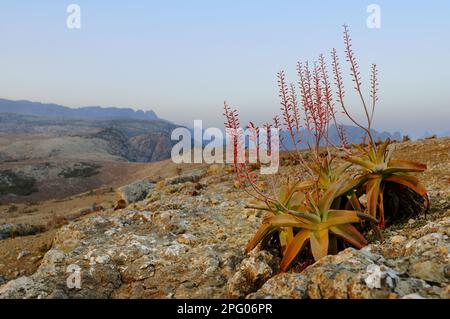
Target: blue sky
<point>183,58</point>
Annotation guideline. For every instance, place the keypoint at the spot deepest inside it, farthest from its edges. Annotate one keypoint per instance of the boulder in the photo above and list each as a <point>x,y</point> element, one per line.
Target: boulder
<point>283,286</point>
<point>136,192</point>
<point>253,272</point>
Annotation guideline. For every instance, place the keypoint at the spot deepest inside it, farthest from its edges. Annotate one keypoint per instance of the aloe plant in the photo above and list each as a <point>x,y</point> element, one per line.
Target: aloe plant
<point>291,197</point>
<point>378,169</point>
<point>315,221</point>
<point>324,208</point>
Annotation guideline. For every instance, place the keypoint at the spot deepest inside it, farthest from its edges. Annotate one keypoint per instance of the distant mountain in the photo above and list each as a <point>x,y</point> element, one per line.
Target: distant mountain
<point>353,134</point>
<point>84,113</point>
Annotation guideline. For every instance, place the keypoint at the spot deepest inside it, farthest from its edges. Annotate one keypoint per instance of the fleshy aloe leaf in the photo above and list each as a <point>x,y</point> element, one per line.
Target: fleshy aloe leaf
<point>284,194</point>
<point>263,231</point>
<point>412,183</point>
<point>395,166</point>
<point>286,235</point>
<point>351,184</point>
<point>358,161</point>
<point>294,248</point>
<point>339,217</point>
<point>407,177</point>
<point>319,243</point>
<point>350,234</point>
<point>372,155</point>
<point>296,201</point>
<point>305,217</point>
<point>354,201</point>
<point>330,195</point>
<point>360,148</point>
<point>382,151</point>
<point>381,207</point>
<point>304,185</point>
<point>341,169</point>
<point>372,192</point>
<point>287,220</point>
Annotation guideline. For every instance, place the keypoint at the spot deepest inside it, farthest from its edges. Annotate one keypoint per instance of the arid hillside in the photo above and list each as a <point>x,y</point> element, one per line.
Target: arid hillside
<point>51,158</point>
<point>183,233</point>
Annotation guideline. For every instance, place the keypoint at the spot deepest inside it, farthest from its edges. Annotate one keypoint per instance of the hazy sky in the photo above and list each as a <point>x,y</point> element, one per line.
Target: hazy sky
<point>183,58</point>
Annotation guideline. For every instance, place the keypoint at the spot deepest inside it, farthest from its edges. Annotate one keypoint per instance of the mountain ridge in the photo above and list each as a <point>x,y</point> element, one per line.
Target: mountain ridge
<point>25,107</point>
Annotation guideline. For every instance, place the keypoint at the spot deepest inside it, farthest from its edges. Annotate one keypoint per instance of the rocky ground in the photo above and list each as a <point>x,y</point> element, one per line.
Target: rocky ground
<point>185,239</point>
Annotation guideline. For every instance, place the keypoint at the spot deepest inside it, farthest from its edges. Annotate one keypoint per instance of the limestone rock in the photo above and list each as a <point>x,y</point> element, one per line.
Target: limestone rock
<point>136,192</point>
<point>253,272</point>
<point>192,177</point>
<point>283,286</point>
<point>170,250</point>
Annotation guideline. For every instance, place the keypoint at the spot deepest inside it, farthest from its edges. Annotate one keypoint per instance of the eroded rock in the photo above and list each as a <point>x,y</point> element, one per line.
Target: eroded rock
<point>283,286</point>
<point>136,192</point>
<point>253,272</point>
<point>192,177</point>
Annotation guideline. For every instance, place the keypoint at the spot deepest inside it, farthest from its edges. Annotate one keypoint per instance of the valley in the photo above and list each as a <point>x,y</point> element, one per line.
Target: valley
<point>53,152</point>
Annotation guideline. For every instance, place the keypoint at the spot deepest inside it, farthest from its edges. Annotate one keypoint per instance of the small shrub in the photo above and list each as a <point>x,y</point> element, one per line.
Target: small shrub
<point>80,170</point>
<point>12,209</point>
<point>16,183</point>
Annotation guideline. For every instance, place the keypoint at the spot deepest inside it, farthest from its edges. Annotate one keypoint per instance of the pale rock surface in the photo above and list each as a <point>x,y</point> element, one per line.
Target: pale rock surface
<point>416,267</point>
<point>136,192</point>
